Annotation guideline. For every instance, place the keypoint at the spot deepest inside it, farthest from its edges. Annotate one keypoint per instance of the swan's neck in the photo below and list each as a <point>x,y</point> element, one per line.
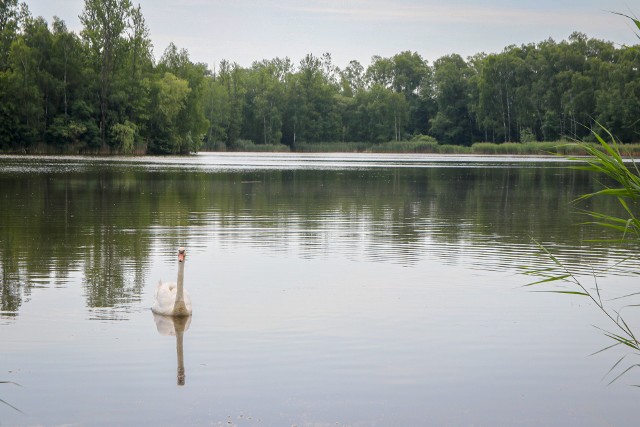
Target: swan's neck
<point>180,290</point>
<point>179,308</point>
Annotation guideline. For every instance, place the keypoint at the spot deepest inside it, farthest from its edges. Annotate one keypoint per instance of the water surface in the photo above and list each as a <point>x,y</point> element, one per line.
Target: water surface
<point>363,290</point>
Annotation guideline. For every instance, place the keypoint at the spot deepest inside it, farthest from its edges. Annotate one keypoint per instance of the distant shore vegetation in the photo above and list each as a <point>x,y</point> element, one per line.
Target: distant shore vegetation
<point>102,92</point>
<point>427,145</point>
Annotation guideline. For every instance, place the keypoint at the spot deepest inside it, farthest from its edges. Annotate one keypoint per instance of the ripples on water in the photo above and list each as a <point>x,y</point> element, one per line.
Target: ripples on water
<point>472,211</point>
<point>477,211</point>
<point>270,161</point>
<point>349,289</point>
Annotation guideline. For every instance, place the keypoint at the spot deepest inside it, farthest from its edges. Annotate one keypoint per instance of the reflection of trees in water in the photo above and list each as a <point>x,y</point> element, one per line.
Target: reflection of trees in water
<point>10,286</point>
<point>400,214</point>
<point>102,220</point>
<point>109,278</point>
<point>64,222</point>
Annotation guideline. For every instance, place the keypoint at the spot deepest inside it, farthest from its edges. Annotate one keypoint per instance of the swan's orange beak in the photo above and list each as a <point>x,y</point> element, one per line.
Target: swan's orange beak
<point>181,254</point>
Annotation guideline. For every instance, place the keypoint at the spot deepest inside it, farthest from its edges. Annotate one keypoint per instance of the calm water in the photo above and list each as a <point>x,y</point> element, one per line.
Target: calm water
<point>328,290</point>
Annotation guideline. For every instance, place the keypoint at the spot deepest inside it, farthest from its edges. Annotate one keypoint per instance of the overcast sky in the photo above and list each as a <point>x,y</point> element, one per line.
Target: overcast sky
<point>244,31</point>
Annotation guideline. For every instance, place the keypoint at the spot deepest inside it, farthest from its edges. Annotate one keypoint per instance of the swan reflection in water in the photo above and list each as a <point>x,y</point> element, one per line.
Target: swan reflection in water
<point>175,326</point>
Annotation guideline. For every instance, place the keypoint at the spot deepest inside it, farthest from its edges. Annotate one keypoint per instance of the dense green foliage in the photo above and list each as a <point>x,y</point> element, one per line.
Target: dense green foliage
<point>102,91</point>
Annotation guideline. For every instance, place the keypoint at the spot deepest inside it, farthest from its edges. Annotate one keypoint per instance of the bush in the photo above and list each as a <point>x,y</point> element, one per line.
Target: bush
<point>527,136</point>
<point>423,138</point>
<point>124,136</point>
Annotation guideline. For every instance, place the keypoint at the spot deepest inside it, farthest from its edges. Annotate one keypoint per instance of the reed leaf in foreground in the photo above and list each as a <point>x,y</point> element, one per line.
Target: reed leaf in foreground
<point>634,20</point>
<point>624,174</point>
<point>11,406</point>
<point>7,403</point>
<point>625,177</point>
<point>561,275</point>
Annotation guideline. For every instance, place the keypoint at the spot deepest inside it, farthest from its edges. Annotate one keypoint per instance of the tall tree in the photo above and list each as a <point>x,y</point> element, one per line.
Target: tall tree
<point>192,124</point>
<point>169,100</point>
<point>12,16</point>
<point>452,123</point>
<point>265,103</point>
<point>104,24</point>
<point>353,79</point>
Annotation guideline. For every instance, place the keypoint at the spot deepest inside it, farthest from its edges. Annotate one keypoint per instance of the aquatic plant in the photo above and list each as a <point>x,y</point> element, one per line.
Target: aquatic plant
<point>623,183</point>
<point>606,160</point>
<point>7,403</point>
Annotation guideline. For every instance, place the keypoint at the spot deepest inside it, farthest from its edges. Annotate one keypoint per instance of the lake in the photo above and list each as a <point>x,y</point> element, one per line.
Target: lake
<point>328,290</point>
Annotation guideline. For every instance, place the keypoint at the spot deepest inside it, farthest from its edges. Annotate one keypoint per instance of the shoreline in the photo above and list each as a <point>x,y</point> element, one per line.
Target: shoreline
<point>538,149</point>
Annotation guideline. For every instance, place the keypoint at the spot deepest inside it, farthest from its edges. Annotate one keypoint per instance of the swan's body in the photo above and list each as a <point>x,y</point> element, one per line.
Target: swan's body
<point>166,304</point>
<point>171,299</point>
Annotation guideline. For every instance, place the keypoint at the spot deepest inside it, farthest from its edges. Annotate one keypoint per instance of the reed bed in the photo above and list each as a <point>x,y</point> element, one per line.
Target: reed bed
<point>479,148</point>
<point>332,147</point>
<point>244,145</point>
<point>421,145</point>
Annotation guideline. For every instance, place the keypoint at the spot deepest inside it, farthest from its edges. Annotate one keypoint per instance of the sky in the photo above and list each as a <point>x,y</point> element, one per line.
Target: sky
<point>245,31</point>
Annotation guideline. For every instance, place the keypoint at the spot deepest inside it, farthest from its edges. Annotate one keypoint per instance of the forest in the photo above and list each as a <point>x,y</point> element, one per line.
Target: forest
<point>103,91</point>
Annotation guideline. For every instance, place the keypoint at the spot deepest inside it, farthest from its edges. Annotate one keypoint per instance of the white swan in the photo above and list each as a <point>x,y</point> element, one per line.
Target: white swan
<point>171,299</point>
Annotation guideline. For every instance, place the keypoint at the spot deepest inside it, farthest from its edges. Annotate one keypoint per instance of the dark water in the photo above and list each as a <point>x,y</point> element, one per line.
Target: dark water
<point>327,290</point>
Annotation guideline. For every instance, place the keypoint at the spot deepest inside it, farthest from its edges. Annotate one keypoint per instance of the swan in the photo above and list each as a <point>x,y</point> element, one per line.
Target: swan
<point>171,299</point>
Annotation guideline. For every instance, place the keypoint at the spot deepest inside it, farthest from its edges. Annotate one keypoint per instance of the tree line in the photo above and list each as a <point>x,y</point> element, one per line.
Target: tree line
<point>102,91</point>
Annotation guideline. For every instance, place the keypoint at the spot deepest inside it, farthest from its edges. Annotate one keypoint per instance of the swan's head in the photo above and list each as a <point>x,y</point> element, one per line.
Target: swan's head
<point>182,252</point>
